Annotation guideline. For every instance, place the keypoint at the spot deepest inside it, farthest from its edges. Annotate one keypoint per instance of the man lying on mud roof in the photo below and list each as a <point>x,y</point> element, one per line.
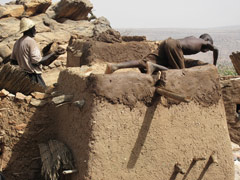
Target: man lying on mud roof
<point>170,55</point>
<point>27,54</point>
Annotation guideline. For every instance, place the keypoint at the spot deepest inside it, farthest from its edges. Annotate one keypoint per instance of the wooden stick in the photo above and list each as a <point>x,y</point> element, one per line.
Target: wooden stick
<point>69,171</point>
<point>2,153</point>
<point>235,58</point>
<point>170,94</point>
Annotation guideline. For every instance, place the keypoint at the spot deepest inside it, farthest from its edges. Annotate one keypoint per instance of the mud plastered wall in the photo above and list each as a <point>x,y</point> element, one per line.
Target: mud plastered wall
<point>83,52</point>
<point>24,127</point>
<point>231,90</point>
<point>127,131</point>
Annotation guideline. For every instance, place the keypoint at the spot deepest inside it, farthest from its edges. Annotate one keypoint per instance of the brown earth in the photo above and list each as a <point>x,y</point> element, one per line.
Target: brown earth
<point>230,90</point>
<point>130,96</point>
<point>122,131</point>
<point>25,127</point>
<point>88,52</point>
<point>126,131</point>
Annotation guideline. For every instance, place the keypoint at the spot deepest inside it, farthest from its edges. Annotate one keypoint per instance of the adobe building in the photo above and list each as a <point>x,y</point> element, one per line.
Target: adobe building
<point>128,129</point>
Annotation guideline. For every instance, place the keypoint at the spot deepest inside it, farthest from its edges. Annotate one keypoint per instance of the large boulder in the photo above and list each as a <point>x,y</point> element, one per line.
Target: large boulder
<point>5,51</point>
<point>11,11</point>
<point>9,27</point>
<point>110,36</point>
<point>73,9</point>
<point>101,25</point>
<point>34,7</point>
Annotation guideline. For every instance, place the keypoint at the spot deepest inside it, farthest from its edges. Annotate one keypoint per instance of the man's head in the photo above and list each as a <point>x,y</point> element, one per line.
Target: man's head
<point>27,26</point>
<point>207,37</point>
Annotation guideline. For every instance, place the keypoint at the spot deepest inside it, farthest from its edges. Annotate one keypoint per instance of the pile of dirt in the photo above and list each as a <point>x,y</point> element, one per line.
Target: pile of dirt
<point>24,127</point>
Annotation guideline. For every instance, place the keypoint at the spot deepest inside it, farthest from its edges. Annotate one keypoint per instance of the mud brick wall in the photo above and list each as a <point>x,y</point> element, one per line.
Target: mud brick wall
<point>231,90</point>
<point>81,52</point>
<point>127,131</point>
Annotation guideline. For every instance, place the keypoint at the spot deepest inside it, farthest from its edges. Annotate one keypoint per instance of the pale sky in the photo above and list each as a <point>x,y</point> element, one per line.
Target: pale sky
<point>167,13</point>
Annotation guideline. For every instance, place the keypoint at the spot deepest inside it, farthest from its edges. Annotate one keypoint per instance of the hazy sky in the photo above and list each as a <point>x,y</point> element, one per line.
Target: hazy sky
<point>167,13</point>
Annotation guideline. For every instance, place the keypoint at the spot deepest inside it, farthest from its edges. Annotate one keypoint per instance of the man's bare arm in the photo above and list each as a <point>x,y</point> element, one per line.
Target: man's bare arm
<point>215,56</point>
<point>215,52</point>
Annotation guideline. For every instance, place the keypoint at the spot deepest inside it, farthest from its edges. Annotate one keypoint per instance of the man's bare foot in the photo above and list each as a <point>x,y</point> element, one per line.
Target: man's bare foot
<point>110,69</point>
<point>150,68</point>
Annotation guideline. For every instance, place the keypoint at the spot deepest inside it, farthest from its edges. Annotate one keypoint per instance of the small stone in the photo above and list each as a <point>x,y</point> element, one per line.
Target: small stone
<point>3,93</point>
<point>28,99</point>
<point>20,126</point>
<point>38,103</point>
<point>20,132</point>
<point>1,115</point>
<point>10,113</point>
<point>11,96</point>
<point>2,133</point>
<point>80,103</point>
<point>39,95</point>
<point>11,122</point>
<point>20,96</point>
<point>62,99</point>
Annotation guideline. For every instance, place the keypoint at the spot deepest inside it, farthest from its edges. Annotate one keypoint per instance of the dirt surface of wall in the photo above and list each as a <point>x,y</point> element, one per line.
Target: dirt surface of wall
<point>112,140</point>
<point>201,83</point>
<point>24,127</point>
<point>231,90</point>
<point>88,52</point>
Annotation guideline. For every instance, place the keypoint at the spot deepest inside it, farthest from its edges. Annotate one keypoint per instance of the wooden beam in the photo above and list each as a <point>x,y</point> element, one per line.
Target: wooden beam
<point>235,58</point>
<point>170,94</point>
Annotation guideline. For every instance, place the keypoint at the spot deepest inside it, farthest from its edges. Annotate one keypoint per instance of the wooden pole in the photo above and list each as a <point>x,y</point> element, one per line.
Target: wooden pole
<point>170,94</point>
<point>235,58</point>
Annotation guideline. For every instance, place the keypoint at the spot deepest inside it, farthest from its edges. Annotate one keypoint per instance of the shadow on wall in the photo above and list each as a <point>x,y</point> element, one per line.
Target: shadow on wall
<point>142,135</point>
<point>24,160</point>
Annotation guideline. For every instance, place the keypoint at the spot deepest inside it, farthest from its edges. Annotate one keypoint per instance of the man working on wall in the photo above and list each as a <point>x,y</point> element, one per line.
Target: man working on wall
<point>170,55</point>
<point>28,55</point>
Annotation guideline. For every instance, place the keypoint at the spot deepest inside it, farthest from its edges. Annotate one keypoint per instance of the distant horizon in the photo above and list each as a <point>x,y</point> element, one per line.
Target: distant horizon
<point>198,14</point>
<point>234,26</point>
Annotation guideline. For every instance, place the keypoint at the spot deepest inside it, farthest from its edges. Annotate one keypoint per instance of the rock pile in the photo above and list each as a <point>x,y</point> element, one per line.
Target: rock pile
<point>53,22</point>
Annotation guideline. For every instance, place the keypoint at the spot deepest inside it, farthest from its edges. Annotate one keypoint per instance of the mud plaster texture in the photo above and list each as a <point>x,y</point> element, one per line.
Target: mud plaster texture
<point>25,127</point>
<point>125,131</point>
<point>231,90</point>
<point>81,52</point>
<point>201,83</point>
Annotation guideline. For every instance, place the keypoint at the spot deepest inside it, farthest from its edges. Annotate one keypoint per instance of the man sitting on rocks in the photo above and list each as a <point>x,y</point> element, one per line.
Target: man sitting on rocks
<point>170,55</point>
<point>27,54</point>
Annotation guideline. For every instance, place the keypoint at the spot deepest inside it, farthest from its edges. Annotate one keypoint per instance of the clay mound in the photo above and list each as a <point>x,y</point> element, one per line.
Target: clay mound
<point>87,51</point>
